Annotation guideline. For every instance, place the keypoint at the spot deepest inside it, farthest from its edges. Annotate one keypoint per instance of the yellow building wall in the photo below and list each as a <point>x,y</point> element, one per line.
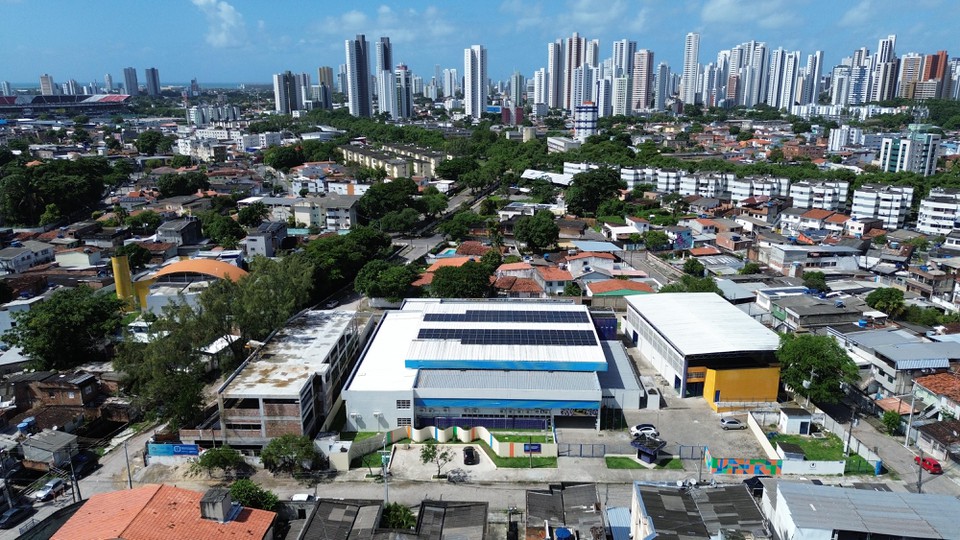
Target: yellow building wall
<point>749,384</point>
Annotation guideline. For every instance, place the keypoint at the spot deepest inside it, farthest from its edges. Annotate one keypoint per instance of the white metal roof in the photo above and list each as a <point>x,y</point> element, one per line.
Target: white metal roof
<point>382,368</point>
<point>509,380</point>
<point>703,323</point>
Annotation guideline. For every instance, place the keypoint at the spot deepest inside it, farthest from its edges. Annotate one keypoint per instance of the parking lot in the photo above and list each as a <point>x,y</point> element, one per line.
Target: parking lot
<point>406,463</point>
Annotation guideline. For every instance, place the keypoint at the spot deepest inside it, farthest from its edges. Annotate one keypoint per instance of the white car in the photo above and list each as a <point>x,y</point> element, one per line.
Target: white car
<point>644,430</point>
<point>302,497</point>
<point>50,490</point>
<point>732,423</point>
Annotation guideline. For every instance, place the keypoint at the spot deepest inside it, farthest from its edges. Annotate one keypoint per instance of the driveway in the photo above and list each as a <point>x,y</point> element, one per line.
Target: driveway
<point>406,463</point>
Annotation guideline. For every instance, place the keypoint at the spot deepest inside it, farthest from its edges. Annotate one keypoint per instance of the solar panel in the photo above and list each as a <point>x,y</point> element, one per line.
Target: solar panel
<point>480,336</point>
<point>506,316</point>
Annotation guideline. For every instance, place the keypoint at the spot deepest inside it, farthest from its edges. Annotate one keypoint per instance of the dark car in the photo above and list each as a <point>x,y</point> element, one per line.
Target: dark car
<point>15,515</point>
<point>470,456</point>
<point>84,464</point>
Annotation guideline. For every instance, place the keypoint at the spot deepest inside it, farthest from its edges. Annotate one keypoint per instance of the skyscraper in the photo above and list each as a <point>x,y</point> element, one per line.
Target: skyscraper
<point>591,55</point>
<point>691,59</point>
<point>475,80</point>
<point>451,82</point>
<point>5,89</point>
<point>153,81</point>
<point>108,83</point>
<point>517,84</point>
<point>620,99</point>
<point>325,76</point>
<point>911,69</point>
<point>403,90</point>
<point>540,94</point>
<point>285,90</point>
<point>555,74</point>
<point>358,75</point>
<point>386,79</point>
<point>642,80</point>
<point>47,86</point>
<point>623,52</point>
<point>130,85</point>
<point>664,87</point>
<point>573,54</point>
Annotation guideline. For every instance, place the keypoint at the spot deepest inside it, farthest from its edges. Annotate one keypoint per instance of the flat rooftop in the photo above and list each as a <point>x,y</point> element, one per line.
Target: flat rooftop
<point>703,323</point>
<point>284,365</point>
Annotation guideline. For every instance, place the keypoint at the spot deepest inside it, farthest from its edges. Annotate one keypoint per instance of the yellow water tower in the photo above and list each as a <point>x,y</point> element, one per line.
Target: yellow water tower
<point>123,281</point>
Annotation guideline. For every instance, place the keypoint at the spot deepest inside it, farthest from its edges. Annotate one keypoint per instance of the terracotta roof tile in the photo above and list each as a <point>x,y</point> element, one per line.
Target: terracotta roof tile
<point>838,218</point>
<point>610,285</point>
<point>945,432</point>
<point>550,273</point>
<point>158,512</point>
<point>472,248</point>
<point>508,267</point>
<point>817,213</point>
<point>587,254</point>
<point>425,278</point>
<point>449,261</point>
<point>517,285</point>
<point>705,250</point>
<point>942,384</point>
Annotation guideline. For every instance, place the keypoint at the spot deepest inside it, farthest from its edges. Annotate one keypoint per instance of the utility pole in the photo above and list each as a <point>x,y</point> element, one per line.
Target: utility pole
<point>920,474</point>
<point>906,440</point>
<point>76,484</point>
<point>853,419</point>
<point>127,456</point>
<point>530,449</point>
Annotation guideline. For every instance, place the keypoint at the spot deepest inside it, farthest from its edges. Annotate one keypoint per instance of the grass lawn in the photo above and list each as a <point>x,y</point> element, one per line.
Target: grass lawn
<point>617,462</point>
<point>519,462</point>
<point>373,458</point>
<point>357,436</point>
<point>828,448</point>
<point>523,438</point>
<point>672,464</point>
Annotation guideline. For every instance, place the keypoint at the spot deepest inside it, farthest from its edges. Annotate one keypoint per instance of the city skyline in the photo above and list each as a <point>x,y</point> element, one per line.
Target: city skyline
<point>244,41</point>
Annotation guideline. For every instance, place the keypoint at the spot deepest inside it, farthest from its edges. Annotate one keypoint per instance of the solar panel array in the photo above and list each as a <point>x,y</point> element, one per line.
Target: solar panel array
<point>506,316</point>
<point>480,336</point>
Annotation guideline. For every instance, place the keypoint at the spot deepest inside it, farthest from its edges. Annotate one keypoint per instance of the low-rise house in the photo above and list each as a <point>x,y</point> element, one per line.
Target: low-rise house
<point>67,389</point>
<point>553,280</point>
<point>510,286</point>
<point>940,440</point>
<point>79,257</point>
<point>680,237</point>
<point>265,240</point>
<point>21,256</point>
<point>733,242</point>
<point>940,392</point>
<point>107,238</point>
<point>897,358</point>
<point>586,261</point>
<point>618,287</point>
<point>181,232</point>
<point>48,449</point>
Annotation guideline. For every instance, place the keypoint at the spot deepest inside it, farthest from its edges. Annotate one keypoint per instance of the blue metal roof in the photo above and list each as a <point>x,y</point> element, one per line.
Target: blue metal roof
<point>618,519</point>
<point>590,245</point>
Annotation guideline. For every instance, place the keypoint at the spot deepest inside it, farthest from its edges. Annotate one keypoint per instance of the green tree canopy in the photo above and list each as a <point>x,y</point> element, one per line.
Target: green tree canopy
<point>538,231</point>
<point>402,221</point>
<point>149,142</point>
<point>472,280</point>
<point>253,214</point>
<point>459,226</point>
<point>289,453</point>
<point>146,221</point>
<point>433,202</point>
<point>432,453</point>
<point>656,240</point>
<point>693,267</point>
<point>283,157</point>
<point>815,366</point>
<point>816,281</point>
<point>398,516</point>
<point>380,279</point>
<point>888,300</point>
<point>222,230</point>
<point>224,458</point>
<point>249,494</point>
<point>454,169</point>
<point>691,284</point>
<point>137,255</point>
<point>71,327</point>
<point>386,197</point>
<point>172,185</point>
<point>588,189</point>
<point>750,268</point>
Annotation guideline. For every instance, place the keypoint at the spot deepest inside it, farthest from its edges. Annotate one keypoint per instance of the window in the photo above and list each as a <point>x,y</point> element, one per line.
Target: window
<point>403,404</point>
<point>403,422</point>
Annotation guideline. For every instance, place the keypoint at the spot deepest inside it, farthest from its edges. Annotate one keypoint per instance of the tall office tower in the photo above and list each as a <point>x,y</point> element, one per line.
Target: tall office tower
<point>664,87</point>
<point>691,58</point>
<point>285,88</point>
<point>325,76</point>
<point>358,75</point>
<point>194,87</point>
<point>758,74</point>
<point>573,52</point>
<point>884,85</point>
<point>540,94</point>
<point>152,75</point>
<point>71,88</point>
<point>47,86</point>
<point>591,55</point>
<point>839,85</point>
<point>604,97</point>
<point>813,71</point>
<point>555,74</point>
<point>517,84</point>
<point>858,91</point>
<point>911,69</point>
<point>451,82</point>
<point>341,81</point>
<point>623,51</point>
<point>108,83</point>
<point>404,92</point>
<point>5,89</point>
<point>621,98</point>
<point>130,85</point>
<point>475,80</point>
<point>642,80</point>
<point>584,83</point>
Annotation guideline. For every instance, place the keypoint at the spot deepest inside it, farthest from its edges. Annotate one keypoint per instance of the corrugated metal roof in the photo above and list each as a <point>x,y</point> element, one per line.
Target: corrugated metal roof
<point>703,323</point>
<point>618,519</point>
<point>497,379</point>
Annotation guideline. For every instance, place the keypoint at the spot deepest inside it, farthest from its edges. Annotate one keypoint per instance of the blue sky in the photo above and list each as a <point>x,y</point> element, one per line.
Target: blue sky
<point>248,40</point>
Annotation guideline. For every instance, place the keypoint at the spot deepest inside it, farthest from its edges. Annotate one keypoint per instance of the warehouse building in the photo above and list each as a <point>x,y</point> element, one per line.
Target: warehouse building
<point>704,346</point>
<point>499,364</point>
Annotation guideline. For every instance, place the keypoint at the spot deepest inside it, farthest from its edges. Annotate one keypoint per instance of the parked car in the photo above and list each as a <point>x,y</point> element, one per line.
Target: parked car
<point>302,497</point>
<point>732,423</point>
<point>644,430</point>
<point>470,456</point>
<point>929,464</point>
<point>15,515</point>
<point>50,490</point>
<point>84,464</point>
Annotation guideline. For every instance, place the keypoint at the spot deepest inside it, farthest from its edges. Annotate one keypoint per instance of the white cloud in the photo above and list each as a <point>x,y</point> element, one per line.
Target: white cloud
<point>402,26</point>
<point>858,15</point>
<point>227,28</point>
<point>770,14</point>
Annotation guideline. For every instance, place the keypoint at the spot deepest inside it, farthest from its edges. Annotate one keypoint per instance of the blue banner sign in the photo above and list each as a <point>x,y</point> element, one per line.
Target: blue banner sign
<point>173,449</point>
<point>531,448</point>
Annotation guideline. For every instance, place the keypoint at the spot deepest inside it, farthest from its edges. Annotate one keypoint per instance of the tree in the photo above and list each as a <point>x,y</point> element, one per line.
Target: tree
<point>249,494</point>
<point>433,453</point>
<point>72,327</point>
<point>402,221</point>
<point>815,366</point>
<point>148,142</point>
<point>459,226</point>
<point>434,203</point>
<point>180,161</point>
<point>693,267</point>
<point>816,281</point>
<point>538,231</point>
<point>472,280</point>
<point>656,240</point>
<point>692,284</point>
<point>397,516</point>
<point>253,214</point>
<point>380,279</point>
<point>137,255</point>
<point>588,189</point>
<point>572,289</point>
<point>146,221</point>
<point>920,243</point>
<point>222,230</point>
<point>492,260</point>
<point>289,453</point>
<point>222,457</point>
<point>283,157</point>
<point>888,300</point>
<point>750,268</point>
<point>386,197</point>
<point>891,422</point>
<point>51,215</point>
<point>172,185</point>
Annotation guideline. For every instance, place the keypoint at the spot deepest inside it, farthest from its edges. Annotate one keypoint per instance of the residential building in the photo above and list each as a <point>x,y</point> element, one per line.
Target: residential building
<point>932,280</point>
<point>48,449</point>
<point>754,186</point>
<point>939,212</point>
<point>642,95</point>
<point>889,203</point>
<point>266,240</point>
<point>375,159</point>
<point>658,511</point>
<point>47,86</point>
<point>130,85</point>
<point>359,98</point>
<point>584,121</point>
<point>917,152</point>
<point>691,68</point>
<point>806,313</point>
<point>827,194</point>
<point>939,392</point>
<point>288,386</point>
<point>704,346</point>
<point>153,81</point>
<point>21,256</point>
<point>475,81</point>
<point>155,511</point>
<point>182,232</point>
<point>529,364</point>
<point>793,260</point>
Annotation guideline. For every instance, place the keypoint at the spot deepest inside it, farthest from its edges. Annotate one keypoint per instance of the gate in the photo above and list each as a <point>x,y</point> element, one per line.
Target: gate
<point>689,452</point>
<point>581,450</point>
